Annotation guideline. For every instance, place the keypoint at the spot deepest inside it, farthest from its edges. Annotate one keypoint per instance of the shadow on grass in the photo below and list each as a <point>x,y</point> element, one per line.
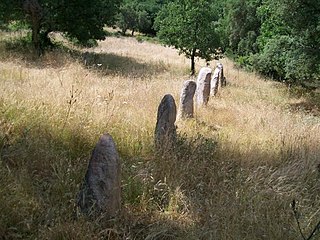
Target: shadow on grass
<point>58,55</point>
<point>41,170</point>
<point>22,51</point>
<point>223,193</point>
<point>310,102</point>
<point>205,192</point>
<point>108,63</point>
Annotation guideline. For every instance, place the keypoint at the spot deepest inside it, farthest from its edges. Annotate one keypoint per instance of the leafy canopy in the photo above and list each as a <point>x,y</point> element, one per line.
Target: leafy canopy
<point>138,15</point>
<point>290,36</point>
<point>190,27</point>
<point>81,20</point>
<point>279,39</point>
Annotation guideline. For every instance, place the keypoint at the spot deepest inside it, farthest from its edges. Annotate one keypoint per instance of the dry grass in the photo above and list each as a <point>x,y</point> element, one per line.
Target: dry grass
<point>232,175</point>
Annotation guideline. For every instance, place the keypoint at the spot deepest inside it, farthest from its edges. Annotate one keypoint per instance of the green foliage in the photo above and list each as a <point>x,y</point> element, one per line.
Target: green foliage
<point>138,15</point>
<point>289,42</point>
<point>189,26</point>
<point>82,20</point>
<point>127,18</point>
<point>271,60</point>
<point>17,25</point>
<point>144,22</point>
<point>9,10</point>
<point>279,39</point>
<point>241,26</point>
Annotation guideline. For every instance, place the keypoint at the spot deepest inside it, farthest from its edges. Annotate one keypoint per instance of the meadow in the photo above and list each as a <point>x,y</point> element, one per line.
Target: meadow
<point>234,173</point>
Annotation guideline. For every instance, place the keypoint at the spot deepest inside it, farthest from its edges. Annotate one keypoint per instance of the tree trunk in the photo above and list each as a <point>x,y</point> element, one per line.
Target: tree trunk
<point>123,31</point>
<point>36,38</point>
<point>193,54</point>
<point>132,33</point>
<point>35,12</point>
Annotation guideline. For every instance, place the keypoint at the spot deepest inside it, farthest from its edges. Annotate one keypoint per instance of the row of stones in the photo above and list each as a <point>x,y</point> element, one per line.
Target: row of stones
<point>101,188</point>
<point>207,84</point>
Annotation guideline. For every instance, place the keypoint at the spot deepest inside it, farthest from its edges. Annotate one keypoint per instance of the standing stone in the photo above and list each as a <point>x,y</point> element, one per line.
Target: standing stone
<point>86,58</point>
<point>186,99</point>
<point>222,78</point>
<point>203,86</point>
<point>165,131</point>
<point>218,80</point>
<point>101,191</point>
<point>215,81</point>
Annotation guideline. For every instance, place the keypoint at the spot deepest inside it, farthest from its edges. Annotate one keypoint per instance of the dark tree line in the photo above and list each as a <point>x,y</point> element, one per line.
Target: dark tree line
<point>280,39</point>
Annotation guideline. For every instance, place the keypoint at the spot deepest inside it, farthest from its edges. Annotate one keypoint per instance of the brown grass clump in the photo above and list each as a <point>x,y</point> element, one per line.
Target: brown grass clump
<point>232,173</point>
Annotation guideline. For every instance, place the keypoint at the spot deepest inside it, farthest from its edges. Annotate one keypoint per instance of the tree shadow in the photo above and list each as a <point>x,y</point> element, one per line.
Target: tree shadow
<point>109,63</point>
<point>225,194</point>
<point>59,54</point>
<point>310,102</point>
<point>226,197</point>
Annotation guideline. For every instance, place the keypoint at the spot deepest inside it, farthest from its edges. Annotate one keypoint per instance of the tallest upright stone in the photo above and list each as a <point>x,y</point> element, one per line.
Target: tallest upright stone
<point>203,86</point>
<point>218,80</point>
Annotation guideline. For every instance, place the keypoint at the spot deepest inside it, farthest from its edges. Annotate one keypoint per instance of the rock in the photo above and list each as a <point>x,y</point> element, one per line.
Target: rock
<point>223,81</point>
<point>215,81</point>
<point>218,80</point>
<point>165,131</point>
<point>101,191</point>
<point>203,86</point>
<point>186,99</point>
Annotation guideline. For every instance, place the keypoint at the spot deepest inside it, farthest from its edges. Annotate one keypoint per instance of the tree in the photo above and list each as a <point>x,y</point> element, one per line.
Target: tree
<point>190,27</point>
<point>138,15</point>
<point>279,39</point>
<point>290,33</point>
<point>9,12</point>
<point>127,17</point>
<point>242,26</point>
<point>82,20</point>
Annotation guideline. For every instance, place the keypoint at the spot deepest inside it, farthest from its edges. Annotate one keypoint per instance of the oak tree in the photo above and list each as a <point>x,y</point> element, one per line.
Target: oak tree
<point>190,27</point>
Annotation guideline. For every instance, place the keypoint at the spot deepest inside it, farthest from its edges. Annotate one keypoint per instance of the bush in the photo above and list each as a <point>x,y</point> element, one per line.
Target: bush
<point>272,59</point>
<point>287,58</point>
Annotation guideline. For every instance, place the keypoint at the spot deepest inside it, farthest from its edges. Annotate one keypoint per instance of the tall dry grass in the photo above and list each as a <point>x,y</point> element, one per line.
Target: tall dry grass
<point>233,173</point>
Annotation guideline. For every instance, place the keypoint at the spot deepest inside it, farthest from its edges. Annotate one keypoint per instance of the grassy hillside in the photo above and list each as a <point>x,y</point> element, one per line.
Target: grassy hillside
<point>235,170</point>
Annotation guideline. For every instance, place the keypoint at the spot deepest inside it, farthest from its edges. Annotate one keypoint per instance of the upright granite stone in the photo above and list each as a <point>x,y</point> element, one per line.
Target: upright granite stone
<point>186,99</point>
<point>203,86</point>
<point>101,191</point>
<point>165,131</point>
<point>218,80</point>
<point>223,81</point>
<point>215,81</point>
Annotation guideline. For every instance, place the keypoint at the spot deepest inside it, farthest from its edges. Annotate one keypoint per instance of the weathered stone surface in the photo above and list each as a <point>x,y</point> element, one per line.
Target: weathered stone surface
<point>101,191</point>
<point>165,131</point>
<point>218,80</point>
<point>223,80</point>
<point>215,81</point>
<point>203,86</point>
<point>186,99</point>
